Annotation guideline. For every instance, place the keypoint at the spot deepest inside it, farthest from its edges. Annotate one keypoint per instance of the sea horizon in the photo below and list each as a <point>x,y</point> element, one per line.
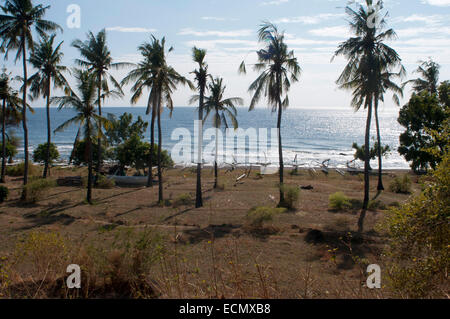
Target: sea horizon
<point>311,135</point>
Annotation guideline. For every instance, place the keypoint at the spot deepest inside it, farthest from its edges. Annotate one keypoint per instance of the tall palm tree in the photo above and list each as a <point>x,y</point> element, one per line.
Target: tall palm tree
<point>11,105</point>
<point>201,79</point>
<point>221,109</point>
<point>96,58</point>
<point>47,60</point>
<point>144,78</point>
<point>86,117</point>
<point>368,72</point>
<point>279,69</point>
<point>429,77</point>
<point>385,84</point>
<point>155,74</point>
<point>17,22</point>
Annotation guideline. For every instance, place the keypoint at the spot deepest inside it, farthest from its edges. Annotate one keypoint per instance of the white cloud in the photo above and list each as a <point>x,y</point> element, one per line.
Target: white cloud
<point>274,3</point>
<point>412,32</point>
<point>431,20</point>
<point>308,20</point>
<point>336,32</point>
<point>218,19</point>
<point>439,3</point>
<point>236,33</point>
<point>130,30</point>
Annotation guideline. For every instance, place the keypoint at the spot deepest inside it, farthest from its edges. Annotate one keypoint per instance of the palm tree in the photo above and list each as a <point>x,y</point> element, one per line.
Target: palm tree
<point>386,83</point>
<point>429,80</point>
<point>86,117</point>
<point>10,113</point>
<point>368,73</point>
<point>96,58</point>
<point>201,78</point>
<point>47,60</point>
<point>279,69</point>
<point>144,78</point>
<point>221,109</point>
<point>154,74</point>
<point>16,25</point>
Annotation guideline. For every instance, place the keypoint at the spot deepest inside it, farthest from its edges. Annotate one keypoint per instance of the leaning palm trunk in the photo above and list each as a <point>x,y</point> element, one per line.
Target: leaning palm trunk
<point>366,170</point>
<point>216,173</point>
<point>152,147</point>
<point>90,166</point>
<point>24,117</point>
<point>75,145</point>
<point>280,152</point>
<point>99,140</point>
<point>160,178</point>
<point>199,197</point>
<point>380,159</point>
<point>3,180</point>
<point>49,134</point>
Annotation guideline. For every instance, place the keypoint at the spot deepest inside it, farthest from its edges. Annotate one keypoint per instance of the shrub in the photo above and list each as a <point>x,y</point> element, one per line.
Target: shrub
<point>183,200</point>
<point>4,192</point>
<point>339,202</point>
<point>257,217</point>
<point>419,232</point>
<point>18,170</point>
<point>401,185</point>
<point>291,195</point>
<point>376,204</point>
<point>104,182</point>
<point>40,153</point>
<point>36,189</point>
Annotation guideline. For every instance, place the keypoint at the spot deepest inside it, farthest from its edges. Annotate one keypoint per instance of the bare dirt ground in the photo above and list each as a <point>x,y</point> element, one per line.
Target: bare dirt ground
<point>282,257</point>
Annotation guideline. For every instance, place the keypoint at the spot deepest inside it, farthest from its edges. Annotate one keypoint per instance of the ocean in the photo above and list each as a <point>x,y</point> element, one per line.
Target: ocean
<point>310,135</point>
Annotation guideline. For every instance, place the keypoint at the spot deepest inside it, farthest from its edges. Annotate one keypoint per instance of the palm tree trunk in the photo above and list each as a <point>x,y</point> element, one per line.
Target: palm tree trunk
<point>152,147</point>
<point>199,195</point>
<point>90,165</point>
<point>75,144</point>
<point>160,179</point>
<point>380,158</point>
<point>24,116</point>
<point>216,178</point>
<point>99,141</point>
<point>3,179</point>
<point>280,152</point>
<point>366,169</point>
<point>49,134</point>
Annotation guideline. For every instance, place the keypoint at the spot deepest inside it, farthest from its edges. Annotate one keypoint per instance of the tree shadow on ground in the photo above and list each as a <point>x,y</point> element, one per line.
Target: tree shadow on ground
<point>347,245</point>
<point>196,236</point>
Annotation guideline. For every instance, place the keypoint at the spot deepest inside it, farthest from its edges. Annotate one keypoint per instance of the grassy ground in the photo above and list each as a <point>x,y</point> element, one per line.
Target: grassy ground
<point>211,252</point>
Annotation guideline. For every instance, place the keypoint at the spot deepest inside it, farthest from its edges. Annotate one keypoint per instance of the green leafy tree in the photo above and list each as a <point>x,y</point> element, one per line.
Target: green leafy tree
<point>10,114</point>
<point>135,153</point>
<point>367,73</point>
<point>360,151</point>
<point>96,58</point>
<point>123,128</point>
<point>419,231</point>
<point>220,109</point>
<point>278,68</point>
<point>19,19</point>
<point>86,117</point>
<point>40,154</point>
<point>47,58</point>
<point>424,112</point>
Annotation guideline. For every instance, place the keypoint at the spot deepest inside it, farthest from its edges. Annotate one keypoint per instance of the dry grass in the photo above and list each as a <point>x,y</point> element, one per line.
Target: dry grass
<point>202,253</point>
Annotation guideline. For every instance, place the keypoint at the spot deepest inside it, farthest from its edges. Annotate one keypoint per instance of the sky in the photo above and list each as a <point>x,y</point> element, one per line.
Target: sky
<point>228,30</point>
